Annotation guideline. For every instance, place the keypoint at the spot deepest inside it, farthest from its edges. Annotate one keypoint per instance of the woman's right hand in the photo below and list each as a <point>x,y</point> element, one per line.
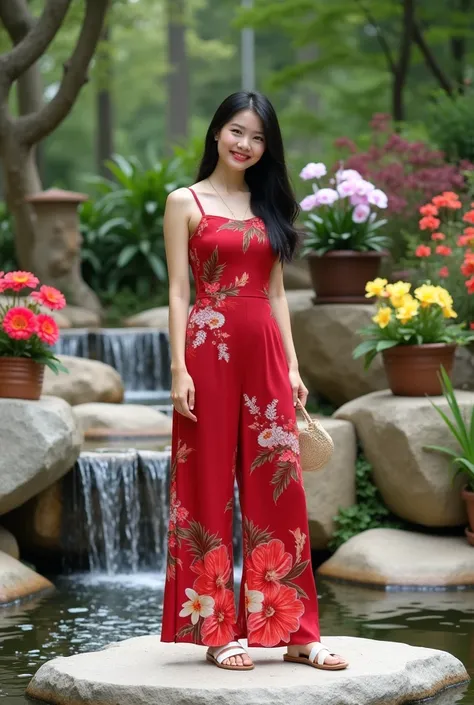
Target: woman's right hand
<point>182,393</point>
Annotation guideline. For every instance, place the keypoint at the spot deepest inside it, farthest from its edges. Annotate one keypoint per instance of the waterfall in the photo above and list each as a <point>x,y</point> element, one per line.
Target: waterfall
<point>73,342</point>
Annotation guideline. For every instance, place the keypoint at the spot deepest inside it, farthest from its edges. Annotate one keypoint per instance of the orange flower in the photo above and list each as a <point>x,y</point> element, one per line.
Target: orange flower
<point>470,285</point>
<point>443,272</point>
<point>467,267</point>
<point>468,230</point>
<point>423,251</point>
<point>471,325</point>
<point>429,223</point>
<point>219,627</point>
<point>428,209</point>
<point>464,240</point>
<point>438,236</point>
<point>450,195</point>
<point>441,201</point>
<point>443,250</point>
<point>278,619</point>
<point>448,199</point>
<point>20,280</point>
<point>19,323</point>
<point>50,297</point>
<point>47,329</point>
<point>469,217</point>
<point>213,571</point>
<point>268,563</point>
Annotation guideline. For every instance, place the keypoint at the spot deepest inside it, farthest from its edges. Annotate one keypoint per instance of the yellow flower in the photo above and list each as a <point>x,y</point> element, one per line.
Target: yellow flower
<point>427,294</point>
<point>397,292</point>
<point>383,316</point>
<point>445,299</point>
<point>449,312</point>
<point>375,287</point>
<point>408,309</point>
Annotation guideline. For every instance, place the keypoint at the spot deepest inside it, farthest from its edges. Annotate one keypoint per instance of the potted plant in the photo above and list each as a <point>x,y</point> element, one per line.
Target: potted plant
<point>463,459</point>
<point>343,245</point>
<point>414,333</point>
<point>26,335</point>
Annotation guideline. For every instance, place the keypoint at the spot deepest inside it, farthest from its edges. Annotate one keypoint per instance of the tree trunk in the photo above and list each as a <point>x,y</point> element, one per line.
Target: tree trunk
<point>178,76</point>
<point>401,73</point>
<point>458,49</point>
<point>104,104</point>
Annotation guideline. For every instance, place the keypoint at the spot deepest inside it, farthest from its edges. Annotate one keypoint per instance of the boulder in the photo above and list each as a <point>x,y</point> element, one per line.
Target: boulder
<point>40,441</point>
<point>415,484</point>
<point>122,417</point>
<point>334,485</point>
<point>299,299</point>
<point>296,275</point>
<point>150,318</point>
<point>144,670</point>
<point>325,337</point>
<point>79,317</point>
<point>39,523</point>
<point>463,370</point>
<point>17,581</point>
<point>8,544</point>
<point>87,381</point>
<point>395,558</point>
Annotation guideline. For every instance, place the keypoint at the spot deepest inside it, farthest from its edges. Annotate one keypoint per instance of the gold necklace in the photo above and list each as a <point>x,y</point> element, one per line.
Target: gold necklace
<point>227,206</point>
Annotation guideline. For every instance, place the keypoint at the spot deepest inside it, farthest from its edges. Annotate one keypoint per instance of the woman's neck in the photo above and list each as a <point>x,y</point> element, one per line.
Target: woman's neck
<point>228,180</point>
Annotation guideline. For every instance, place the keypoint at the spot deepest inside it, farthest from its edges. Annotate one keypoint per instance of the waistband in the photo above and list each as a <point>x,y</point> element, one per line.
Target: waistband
<point>235,298</point>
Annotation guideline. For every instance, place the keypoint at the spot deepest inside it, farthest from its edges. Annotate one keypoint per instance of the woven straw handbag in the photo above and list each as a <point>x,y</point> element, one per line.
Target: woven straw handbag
<point>316,445</point>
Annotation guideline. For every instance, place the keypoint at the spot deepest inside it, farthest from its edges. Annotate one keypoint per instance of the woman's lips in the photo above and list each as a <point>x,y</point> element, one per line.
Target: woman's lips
<point>240,157</point>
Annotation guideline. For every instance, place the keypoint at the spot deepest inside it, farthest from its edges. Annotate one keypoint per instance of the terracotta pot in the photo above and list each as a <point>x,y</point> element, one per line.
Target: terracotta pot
<point>412,370</point>
<point>20,378</point>
<point>468,497</point>
<point>340,276</point>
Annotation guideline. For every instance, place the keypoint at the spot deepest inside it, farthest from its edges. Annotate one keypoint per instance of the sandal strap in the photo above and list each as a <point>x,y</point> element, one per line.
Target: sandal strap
<point>320,651</point>
<point>228,652</point>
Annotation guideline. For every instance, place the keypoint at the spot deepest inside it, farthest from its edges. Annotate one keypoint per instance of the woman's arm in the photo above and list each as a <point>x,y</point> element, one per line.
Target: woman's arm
<point>176,233</point>
<point>279,304</point>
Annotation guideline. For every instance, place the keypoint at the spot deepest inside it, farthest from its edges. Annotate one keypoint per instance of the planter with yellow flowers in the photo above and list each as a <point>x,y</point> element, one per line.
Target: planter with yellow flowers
<point>415,334</point>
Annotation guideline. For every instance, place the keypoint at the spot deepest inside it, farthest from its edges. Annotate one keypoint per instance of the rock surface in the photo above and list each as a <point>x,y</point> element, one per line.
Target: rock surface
<point>415,484</point>
<point>463,371</point>
<point>325,337</point>
<point>150,318</point>
<point>299,299</point>
<point>79,317</point>
<point>8,543</point>
<point>296,275</point>
<point>17,581</point>
<point>122,417</point>
<point>402,558</point>
<point>143,671</point>
<point>40,441</point>
<point>87,381</point>
<point>39,523</point>
<point>334,485</point>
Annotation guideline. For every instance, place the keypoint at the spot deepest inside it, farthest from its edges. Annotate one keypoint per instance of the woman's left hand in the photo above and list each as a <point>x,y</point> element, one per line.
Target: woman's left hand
<point>297,387</point>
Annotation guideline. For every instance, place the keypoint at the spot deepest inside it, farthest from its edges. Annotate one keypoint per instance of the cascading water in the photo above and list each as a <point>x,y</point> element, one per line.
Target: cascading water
<point>73,342</point>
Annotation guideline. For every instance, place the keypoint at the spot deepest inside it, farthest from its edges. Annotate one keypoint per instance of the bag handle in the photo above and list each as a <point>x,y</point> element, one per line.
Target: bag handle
<point>304,412</point>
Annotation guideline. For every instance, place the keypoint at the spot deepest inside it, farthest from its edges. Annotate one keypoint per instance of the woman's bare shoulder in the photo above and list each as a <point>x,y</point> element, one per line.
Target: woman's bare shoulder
<point>180,196</point>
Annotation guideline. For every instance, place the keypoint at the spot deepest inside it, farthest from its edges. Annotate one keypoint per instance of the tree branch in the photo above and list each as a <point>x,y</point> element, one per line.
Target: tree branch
<point>36,41</point>
<point>380,37</point>
<point>16,17</point>
<point>431,61</point>
<point>33,128</point>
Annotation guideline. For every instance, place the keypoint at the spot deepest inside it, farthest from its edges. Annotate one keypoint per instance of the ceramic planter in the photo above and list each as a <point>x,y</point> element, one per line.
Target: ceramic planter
<point>413,370</point>
<point>468,497</point>
<point>20,378</point>
<point>340,276</point>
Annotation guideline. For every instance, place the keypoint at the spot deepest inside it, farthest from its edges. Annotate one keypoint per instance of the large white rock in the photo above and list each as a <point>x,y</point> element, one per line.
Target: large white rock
<point>144,671</point>
<point>122,417</point>
<point>87,381</point>
<point>325,337</point>
<point>39,441</point>
<point>150,318</point>
<point>402,558</point>
<point>415,484</point>
<point>81,317</point>
<point>334,485</point>
<point>17,581</point>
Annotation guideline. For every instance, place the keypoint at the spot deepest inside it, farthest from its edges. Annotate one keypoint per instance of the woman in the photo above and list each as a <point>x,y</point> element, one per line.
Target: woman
<point>235,384</point>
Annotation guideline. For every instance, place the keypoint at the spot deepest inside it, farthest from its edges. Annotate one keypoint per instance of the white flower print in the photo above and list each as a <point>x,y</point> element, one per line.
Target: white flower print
<point>253,600</point>
<point>266,438</point>
<point>217,320</point>
<point>223,352</point>
<point>201,336</point>
<point>197,606</point>
<point>208,317</point>
<point>271,412</point>
<point>251,404</point>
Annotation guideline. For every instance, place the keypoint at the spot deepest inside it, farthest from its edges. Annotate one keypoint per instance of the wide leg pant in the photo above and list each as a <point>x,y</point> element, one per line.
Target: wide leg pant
<point>246,428</point>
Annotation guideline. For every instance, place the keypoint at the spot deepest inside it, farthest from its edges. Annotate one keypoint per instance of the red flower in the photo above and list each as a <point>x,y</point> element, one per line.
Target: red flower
<point>443,272</point>
<point>48,331</point>
<point>470,285</point>
<point>438,236</point>
<point>267,564</point>
<point>218,628</point>
<point>471,325</point>
<point>19,323</point>
<point>278,619</point>
<point>423,251</point>
<point>214,573</point>
<point>429,223</point>
<point>50,297</point>
<point>440,201</point>
<point>444,250</point>
<point>464,240</point>
<point>467,268</point>
<point>20,280</point>
<point>428,209</point>
<point>469,217</point>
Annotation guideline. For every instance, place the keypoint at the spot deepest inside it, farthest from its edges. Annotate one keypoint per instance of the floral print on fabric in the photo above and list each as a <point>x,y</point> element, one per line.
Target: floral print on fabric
<point>277,440</point>
<point>178,514</point>
<point>254,227</point>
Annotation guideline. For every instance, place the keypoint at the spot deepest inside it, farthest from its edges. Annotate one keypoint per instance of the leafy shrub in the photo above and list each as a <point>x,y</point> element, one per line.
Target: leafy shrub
<point>451,127</point>
<point>369,512</point>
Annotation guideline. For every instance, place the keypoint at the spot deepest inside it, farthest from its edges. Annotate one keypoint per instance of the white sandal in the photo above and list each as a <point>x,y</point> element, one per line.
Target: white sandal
<point>320,653</point>
<point>233,648</point>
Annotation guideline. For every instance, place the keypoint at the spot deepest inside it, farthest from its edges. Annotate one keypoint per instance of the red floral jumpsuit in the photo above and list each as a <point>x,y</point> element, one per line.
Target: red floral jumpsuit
<point>246,428</point>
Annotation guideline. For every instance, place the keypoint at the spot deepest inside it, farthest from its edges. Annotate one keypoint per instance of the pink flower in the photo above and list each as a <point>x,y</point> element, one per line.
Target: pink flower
<point>359,200</point>
<point>50,297</point>
<point>423,251</point>
<point>347,188</point>
<point>326,196</point>
<point>313,171</point>
<point>346,174</point>
<point>20,280</point>
<point>443,272</point>
<point>378,198</point>
<point>360,213</point>
<point>309,202</point>
<point>47,331</point>
<point>364,187</point>
<point>19,323</point>
<point>443,250</point>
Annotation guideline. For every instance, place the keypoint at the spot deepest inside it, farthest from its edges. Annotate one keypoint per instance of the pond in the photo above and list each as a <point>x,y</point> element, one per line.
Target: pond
<point>89,611</point>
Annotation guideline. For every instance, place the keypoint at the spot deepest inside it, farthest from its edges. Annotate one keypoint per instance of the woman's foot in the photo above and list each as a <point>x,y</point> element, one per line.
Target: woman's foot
<point>321,656</point>
<point>234,660</point>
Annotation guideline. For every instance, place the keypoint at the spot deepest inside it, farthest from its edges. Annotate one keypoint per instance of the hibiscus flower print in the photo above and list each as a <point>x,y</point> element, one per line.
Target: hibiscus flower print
<point>278,619</point>
<point>214,572</point>
<point>178,513</point>
<point>196,606</point>
<point>219,627</point>
<point>277,440</point>
<point>268,563</point>
<point>253,600</point>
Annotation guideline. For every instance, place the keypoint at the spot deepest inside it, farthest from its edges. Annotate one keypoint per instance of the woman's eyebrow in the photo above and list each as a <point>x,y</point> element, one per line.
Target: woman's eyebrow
<point>241,127</point>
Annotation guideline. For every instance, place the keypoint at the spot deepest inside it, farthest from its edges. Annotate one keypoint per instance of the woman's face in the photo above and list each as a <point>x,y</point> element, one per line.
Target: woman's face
<point>241,143</point>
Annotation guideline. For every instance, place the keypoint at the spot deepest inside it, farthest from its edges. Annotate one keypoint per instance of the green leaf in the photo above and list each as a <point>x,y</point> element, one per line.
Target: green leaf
<point>126,255</point>
<point>442,449</point>
<point>363,348</point>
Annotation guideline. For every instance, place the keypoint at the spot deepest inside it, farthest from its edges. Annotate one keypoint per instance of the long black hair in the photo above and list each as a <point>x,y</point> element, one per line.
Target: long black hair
<point>271,195</point>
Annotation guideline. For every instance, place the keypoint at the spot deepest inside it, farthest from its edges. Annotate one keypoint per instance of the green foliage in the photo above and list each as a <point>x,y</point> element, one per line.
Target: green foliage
<point>369,512</point>
<point>8,261</point>
<point>462,431</point>
<point>333,229</point>
<point>123,244</point>
<point>451,126</point>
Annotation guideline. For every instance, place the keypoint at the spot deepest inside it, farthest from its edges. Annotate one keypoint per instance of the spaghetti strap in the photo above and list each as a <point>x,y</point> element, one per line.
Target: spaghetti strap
<point>197,200</point>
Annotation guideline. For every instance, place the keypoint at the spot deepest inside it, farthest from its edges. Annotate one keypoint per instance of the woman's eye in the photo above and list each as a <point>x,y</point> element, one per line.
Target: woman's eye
<point>237,132</point>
